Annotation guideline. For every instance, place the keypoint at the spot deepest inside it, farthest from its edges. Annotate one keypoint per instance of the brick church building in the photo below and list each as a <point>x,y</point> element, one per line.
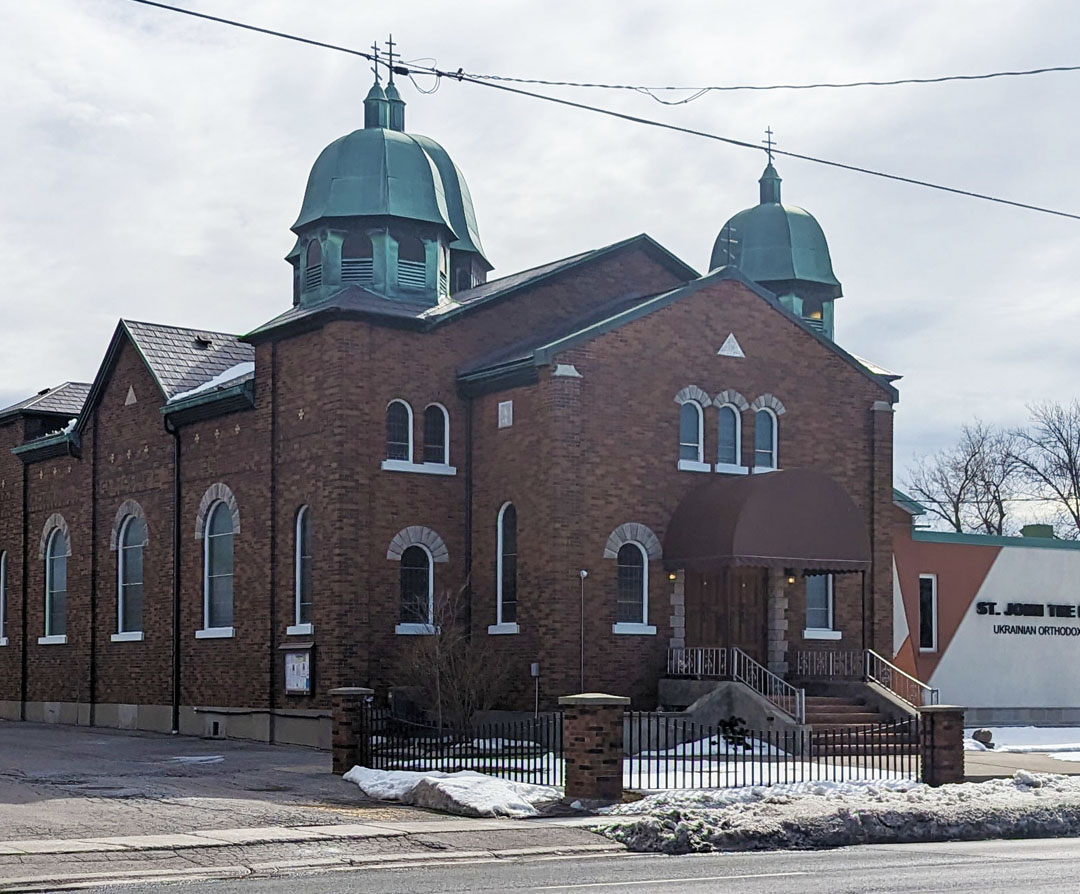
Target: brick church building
<point>615,459</point>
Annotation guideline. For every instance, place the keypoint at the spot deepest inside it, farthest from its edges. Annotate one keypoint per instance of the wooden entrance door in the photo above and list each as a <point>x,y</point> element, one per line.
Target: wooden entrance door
<point>727,608</point>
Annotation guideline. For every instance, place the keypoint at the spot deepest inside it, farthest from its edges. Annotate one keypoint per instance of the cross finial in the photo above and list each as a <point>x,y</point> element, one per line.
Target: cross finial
<point>768,141</point>
<point>390,54</point>
<point>375,67</point>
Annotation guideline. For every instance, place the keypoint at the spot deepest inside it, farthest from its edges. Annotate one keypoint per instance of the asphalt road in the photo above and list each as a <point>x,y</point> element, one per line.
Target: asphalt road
<point>1044,865</point>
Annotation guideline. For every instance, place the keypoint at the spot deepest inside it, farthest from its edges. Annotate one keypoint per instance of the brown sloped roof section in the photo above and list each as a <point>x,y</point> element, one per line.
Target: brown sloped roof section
<point>794,518</point>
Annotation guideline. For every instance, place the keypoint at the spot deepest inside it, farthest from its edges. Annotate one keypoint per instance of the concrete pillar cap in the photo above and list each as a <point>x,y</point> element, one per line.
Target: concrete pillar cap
<point>352,690</point>
<point>939,709</point>
<point>593,698</point>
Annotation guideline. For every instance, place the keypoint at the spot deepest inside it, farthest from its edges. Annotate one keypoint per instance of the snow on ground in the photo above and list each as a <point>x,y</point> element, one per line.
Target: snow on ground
<point>1028,739</point>
<point>466,793</point>
<point>714,745</point>
<point>809,815</point>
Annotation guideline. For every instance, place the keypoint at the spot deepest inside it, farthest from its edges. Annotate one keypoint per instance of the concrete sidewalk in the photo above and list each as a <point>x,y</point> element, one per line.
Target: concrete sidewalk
<point>982,765</point>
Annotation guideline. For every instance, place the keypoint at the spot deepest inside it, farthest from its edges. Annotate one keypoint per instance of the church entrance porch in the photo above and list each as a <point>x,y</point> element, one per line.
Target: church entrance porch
<point>727,608</point>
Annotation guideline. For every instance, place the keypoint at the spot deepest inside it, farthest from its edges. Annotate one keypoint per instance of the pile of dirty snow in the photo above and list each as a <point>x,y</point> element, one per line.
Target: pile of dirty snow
<point>812,815</point>
<point>1055,740</point>
<point>465,792</point>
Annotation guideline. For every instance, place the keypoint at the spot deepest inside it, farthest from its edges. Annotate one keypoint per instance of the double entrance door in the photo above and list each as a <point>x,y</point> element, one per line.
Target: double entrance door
<point>728,608</point>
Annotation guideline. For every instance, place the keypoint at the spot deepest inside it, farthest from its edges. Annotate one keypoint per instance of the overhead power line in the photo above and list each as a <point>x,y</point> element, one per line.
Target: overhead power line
<point>488,81</point>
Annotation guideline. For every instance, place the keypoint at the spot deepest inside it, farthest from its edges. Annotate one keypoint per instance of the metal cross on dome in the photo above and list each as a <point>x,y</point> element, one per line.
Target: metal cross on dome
<point>375,67</point>
<point>390,54</point>
<point>768,141</point>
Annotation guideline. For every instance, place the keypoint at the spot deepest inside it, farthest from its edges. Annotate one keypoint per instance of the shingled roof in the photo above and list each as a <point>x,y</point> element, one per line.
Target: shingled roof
<point>63,400</point>
<point>182,359</point>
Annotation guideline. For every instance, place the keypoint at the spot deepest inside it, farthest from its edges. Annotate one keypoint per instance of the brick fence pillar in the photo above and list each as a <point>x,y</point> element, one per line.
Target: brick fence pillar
<point>942,746</point>
<point>593,745</point>
<point>348,741</point>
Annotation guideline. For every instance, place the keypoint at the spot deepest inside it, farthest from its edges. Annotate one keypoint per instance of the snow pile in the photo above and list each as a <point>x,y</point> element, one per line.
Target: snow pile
<point>1029,740</point>
<point>810,815</point>
<point>222,378</point>
<point>466,793</point>
<point>713,746</point>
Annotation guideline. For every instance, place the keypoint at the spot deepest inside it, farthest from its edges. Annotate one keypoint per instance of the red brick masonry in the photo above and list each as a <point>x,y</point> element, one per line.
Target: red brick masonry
<point>942,744</point>
<point>348,734</point>
<point>593,745</point>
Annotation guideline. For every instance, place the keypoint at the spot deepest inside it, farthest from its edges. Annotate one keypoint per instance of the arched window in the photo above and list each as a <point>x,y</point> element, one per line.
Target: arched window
<point>56,554</point>
<point>632,577</point>
<point>506,582</point>
<point>436,435</point>
<point>765,439</point>
<point>129,584</point>
<point>357,262</point>
<point>304,579</point>
<point>3,599</point>
<point>729,448</point>
<point>218,572</point>
<point>313,265</point>
<point>417,593</point>
<point>399,431</point>
<point>412,263</point>
<point>690,444</point>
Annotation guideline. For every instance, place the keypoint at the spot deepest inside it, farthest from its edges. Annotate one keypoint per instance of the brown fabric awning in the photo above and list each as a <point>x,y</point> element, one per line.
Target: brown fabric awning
<point>794,518</point>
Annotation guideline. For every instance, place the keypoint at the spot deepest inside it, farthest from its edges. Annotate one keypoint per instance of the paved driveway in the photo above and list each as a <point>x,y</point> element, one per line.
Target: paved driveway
<point>63,782</point>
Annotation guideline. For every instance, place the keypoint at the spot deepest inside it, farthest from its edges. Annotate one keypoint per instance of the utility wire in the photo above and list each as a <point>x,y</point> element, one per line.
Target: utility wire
<point>461,75</point>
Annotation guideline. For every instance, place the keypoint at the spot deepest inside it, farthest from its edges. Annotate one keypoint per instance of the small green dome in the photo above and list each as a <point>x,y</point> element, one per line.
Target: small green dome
<point>781,247</point>
<point>375,172</point>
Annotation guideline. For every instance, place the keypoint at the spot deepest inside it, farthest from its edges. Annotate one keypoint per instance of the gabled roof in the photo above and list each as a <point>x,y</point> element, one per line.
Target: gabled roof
<point>63,400</point>
<point>179,359</point>
<point>358,302</point>
<point>909,504</point>
<point>574,333</point>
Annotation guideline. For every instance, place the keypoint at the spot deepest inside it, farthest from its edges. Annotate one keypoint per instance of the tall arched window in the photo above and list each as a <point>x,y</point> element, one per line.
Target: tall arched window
<point>357,255</point>
<point>304,579</point>
<point>313,265</point>
<point>765,439</point>
<point>417,587</point>
<point>3,599</point>
<point>507,566</point>
<point>632,577</point>
<point>690,429</point>
<point>728,447</point>
<point>56,554</point>
<point>399,431</point>
<point>412,263</point>
<point>218,572</point>
<point>129,584</point>
<point>436,435</point>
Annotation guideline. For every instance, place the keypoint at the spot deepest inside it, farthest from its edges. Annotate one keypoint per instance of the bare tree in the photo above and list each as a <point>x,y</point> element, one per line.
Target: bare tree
<point>1048,456</point>
<point>450,674</point>
<point>969,485</point>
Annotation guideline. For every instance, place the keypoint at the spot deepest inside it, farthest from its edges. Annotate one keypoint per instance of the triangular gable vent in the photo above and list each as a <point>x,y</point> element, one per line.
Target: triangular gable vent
<point>730,347</point>
<point>130,399</point>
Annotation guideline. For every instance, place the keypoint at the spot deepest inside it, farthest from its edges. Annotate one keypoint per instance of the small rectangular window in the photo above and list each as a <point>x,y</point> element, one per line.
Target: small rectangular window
<point>928,612</point>
<point>506,413</point>
<point>819,602</point>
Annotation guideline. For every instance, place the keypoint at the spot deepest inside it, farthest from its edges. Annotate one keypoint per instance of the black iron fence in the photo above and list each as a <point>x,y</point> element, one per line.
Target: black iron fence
<point>669,752</point>
<point>529,750</point>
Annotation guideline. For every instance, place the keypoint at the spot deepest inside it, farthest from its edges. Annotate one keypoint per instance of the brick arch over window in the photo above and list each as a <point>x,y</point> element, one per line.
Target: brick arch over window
<point>128,509</point>
<point>217,493</point>
<point>632,531</point>
<point>418,535</point>
<point>54,522</point>
<point>768,402</point>
<point>692,392</point>
<point>729,396</point>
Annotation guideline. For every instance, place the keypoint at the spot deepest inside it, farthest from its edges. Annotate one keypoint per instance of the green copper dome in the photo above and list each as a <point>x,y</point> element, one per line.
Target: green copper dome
<point>778,246</point>
<point>458,200</point>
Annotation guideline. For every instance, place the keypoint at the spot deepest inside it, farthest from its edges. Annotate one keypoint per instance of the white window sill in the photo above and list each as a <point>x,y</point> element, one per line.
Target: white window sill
<point>496,629</point>
<point>634,629</point>
<point>402,465</point>
<point>130,636</point>
<point>416,630</point>
<point>216,633</point>
<point>761,470</point>
<point>821,633</point>
<point>3,641</point>
<point>52,640</point>
<point>300,630</point>
<point>731,469</point>
<point>924,650</point>
<point>692,465</point>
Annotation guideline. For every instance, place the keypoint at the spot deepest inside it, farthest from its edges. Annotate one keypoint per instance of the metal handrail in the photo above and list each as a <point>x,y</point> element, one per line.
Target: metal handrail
<point>883,672</point>
<point>698,661</point>
<point>778,691</point>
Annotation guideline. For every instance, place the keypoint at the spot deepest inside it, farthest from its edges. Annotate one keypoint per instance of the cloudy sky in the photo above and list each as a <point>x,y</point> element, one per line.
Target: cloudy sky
<point>151,164</point>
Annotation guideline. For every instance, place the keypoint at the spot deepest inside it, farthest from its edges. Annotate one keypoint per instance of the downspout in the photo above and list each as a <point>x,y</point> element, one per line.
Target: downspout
<point>94,573</point>
<point>271,728</point>
<point>24,683</point>
<point>468,514</point>
<point>175,432</point>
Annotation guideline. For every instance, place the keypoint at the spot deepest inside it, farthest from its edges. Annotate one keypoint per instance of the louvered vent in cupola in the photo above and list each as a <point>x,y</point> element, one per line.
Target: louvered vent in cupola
<point>357,270</point>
